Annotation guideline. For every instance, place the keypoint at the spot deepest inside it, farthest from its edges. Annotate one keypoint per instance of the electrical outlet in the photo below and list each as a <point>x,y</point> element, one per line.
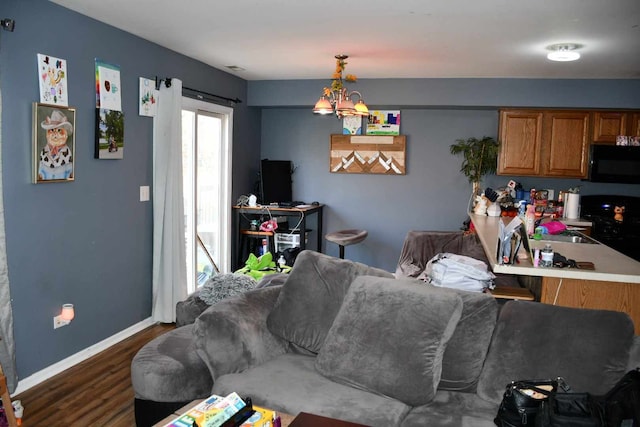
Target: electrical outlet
<point>58,322</point>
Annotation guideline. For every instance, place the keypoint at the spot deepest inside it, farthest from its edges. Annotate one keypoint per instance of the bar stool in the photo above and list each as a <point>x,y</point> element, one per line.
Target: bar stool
<point>346,237</point>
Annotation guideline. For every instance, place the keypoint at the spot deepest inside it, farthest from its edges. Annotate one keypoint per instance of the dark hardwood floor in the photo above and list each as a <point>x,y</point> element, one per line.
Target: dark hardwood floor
<point>96,392</point>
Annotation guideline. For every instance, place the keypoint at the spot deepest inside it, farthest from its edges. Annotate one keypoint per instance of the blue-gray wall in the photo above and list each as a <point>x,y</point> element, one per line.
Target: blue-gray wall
<point>88,242</point>
<point>433,195</point>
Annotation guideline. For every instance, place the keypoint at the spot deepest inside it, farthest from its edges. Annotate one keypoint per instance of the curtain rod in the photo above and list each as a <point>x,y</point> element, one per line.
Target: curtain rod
<point>199,94</point>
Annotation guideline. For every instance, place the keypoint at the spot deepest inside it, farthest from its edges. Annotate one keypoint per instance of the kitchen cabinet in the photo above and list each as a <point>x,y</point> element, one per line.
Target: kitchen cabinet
<point>607,125</point>
<point>565,149</point>
<point>635,124</point>
<point>593,294</point>
<point>520,137</point>
<point>545,143</point>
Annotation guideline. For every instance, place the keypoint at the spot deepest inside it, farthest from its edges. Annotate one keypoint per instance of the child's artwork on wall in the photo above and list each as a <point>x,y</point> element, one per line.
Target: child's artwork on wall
<point>352,125</point>
<point>109,118</point>
<point>148,98</point>
<point>53,143</point>
<point>368,154</point>
<point>384,123</point>
<point>109,134</point>
<point>108,86</point>
<point>52,75</point>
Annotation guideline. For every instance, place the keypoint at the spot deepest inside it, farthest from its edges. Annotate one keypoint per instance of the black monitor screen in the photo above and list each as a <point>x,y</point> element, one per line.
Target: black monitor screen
<point>275,180</point>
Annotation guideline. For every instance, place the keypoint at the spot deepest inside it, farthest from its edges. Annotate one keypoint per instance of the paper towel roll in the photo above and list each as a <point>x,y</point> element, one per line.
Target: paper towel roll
<point>572,206</point>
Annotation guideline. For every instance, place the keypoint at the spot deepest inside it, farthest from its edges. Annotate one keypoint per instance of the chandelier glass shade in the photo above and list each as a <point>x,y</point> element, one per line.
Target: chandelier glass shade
<point>337,99</point>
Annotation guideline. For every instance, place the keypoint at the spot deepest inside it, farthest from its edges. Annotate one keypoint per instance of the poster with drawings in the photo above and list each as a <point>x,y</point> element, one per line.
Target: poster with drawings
<point>52,76</point>
<point>108,86</point>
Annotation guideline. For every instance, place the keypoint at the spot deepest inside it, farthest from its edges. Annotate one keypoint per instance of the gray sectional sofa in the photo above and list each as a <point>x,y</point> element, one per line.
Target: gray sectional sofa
<point>352,342</point>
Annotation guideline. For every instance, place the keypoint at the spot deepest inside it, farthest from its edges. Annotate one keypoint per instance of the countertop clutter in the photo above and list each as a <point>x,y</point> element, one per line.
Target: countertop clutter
<point>610,265</point>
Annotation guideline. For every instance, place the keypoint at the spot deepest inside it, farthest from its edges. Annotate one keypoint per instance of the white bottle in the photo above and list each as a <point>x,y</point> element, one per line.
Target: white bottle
<point>282,263</point>
<point>546,256</point>
<point>530,220</point>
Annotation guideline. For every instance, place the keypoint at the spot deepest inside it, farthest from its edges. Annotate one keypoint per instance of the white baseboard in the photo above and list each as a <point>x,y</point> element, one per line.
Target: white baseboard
<point>50,371</point>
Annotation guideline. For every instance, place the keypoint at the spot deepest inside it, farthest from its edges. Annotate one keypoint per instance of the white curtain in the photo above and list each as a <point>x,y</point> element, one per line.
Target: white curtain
<point>7,345</point>
<point>169,257</point>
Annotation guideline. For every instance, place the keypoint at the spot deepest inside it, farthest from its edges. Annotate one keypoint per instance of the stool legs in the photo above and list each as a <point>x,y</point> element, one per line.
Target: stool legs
<point>341,251</point>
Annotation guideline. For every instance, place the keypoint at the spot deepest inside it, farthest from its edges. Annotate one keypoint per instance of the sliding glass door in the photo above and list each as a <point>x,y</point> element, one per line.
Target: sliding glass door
<point>206,161</point>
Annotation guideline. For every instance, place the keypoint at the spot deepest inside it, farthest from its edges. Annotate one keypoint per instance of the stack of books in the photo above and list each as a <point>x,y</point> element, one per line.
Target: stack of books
<point>229,411</point>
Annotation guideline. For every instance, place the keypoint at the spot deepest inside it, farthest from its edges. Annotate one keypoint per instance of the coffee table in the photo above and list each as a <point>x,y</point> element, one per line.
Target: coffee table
<point>285,419</point>
<point>303,419</point>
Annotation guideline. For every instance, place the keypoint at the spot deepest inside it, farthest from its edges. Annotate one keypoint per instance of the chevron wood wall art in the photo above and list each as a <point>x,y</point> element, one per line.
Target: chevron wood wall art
<point>368,154</point>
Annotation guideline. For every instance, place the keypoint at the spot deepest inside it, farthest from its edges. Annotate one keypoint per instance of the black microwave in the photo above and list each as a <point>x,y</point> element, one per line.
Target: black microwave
<point>614,163</point>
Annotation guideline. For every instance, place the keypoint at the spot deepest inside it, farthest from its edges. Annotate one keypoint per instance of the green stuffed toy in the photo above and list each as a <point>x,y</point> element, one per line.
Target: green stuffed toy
<point>258,267</point>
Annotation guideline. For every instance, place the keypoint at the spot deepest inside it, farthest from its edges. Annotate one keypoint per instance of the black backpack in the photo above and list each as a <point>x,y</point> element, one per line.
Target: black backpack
<point>621,404</point>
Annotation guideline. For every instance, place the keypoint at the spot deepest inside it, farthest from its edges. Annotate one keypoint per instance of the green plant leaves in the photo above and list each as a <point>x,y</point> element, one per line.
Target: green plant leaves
<point>480,156</point>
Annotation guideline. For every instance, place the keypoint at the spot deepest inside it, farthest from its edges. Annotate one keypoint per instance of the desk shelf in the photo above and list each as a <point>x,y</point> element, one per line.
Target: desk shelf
<point>257,233</point>
<point>242,215</point>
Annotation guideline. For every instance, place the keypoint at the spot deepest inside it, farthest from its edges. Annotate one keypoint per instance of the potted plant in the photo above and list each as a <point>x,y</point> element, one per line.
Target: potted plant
<point>480,158</point>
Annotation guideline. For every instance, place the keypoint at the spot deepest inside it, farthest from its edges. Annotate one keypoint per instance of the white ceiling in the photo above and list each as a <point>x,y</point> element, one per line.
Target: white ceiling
<point>297,39</point>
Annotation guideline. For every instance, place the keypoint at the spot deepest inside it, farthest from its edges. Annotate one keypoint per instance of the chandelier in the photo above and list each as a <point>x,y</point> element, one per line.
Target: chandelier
<point>337,99</point>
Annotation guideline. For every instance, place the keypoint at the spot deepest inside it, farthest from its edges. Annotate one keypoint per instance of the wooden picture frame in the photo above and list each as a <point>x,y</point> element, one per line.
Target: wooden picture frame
<point>53,143</point>
<point>368,154</point>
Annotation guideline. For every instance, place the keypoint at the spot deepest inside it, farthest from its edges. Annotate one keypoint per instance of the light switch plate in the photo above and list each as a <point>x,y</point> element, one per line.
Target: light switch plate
<point>144,193</point>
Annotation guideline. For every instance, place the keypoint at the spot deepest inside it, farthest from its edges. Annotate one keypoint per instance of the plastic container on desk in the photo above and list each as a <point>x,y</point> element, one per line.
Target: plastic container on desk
<point>287,240</point>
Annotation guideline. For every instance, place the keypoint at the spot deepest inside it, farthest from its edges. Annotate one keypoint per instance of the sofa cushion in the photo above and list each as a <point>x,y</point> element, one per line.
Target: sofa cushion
<point>232,335</point>
<point>467,349</point>
<point>634,357</point>
<point>290,384</point>
<point>453,409</point>
<point>312,296</point>
<point>389,337</point>
<point>588,348</point>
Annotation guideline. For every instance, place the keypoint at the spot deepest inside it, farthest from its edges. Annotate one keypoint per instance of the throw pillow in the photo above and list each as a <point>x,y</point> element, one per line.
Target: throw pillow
<point>312,296</point>
<point>222,286</point>
<point>389,338</point>
<point>588,348</point>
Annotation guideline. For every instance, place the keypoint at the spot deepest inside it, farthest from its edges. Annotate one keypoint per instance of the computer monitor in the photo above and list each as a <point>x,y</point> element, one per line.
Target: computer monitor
<point>275,181</point>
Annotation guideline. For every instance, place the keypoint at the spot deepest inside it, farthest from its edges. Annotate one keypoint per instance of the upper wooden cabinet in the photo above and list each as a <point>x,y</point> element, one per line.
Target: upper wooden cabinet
<point>520,138</point>
<point>565,149</point>
<point>635,124</point>
<point>544,143</point>
<point>608,125</point>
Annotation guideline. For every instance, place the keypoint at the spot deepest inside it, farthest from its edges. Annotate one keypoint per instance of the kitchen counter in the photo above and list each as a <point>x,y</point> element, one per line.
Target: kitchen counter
<point>613,285</point>
<point>610,264</point>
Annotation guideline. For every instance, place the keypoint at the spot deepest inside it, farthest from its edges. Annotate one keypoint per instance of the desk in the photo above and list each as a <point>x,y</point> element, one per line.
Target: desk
<point>239,227</point>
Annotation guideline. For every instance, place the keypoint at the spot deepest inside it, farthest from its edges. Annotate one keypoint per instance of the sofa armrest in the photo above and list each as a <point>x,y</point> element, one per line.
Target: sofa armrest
<point>232,335</point>
<point>187,311</point>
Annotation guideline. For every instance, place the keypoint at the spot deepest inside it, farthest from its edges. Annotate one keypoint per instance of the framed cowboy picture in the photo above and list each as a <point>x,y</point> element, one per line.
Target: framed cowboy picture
<point>53,143</point>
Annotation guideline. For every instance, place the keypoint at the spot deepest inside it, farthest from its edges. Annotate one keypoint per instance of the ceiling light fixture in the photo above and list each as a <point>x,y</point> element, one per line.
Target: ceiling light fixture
<point>337,99</point>
<point>563,52</point>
